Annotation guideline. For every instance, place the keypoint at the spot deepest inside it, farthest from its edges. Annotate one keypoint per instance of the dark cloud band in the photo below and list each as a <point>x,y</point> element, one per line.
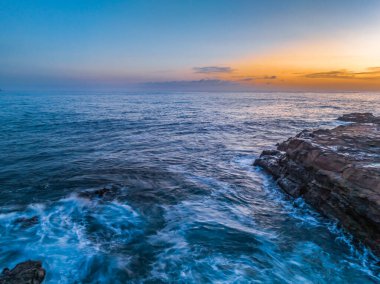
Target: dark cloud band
<point>212,69</point>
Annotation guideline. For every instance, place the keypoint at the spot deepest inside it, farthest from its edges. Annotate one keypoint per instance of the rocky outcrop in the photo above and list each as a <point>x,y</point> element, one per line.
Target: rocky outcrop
<point>337,171</point>
<point>106,194</point>
<point>364,117</point>
<point>26,222</point>
<point>28,272</point>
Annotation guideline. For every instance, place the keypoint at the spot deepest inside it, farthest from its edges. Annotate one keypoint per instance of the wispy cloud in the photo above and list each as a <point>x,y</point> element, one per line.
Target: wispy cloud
<point>372,73</point>
<point>343,74</point>
<point>273,77</point>
<point>374,69</point>
<point>253,78</point>
<point>191,84</point>
<point>213,69</point>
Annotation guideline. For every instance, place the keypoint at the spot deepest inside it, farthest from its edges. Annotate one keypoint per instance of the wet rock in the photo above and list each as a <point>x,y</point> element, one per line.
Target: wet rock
<point>103,193</point>
<point>337,171</point>
<point>28,272</point>
<point>361,117</point>
<point>26,222</point>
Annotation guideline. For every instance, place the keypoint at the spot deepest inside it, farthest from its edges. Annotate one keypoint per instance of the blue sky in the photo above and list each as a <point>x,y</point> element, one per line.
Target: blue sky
<point>74,43</point>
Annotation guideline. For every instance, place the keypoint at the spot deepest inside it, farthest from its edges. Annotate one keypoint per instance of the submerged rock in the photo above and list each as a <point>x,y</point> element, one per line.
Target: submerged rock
<point>103,193</point>
<point>364,117</point>
<point>27,272</point>
<point>337,171</point>
<point>26,222</point>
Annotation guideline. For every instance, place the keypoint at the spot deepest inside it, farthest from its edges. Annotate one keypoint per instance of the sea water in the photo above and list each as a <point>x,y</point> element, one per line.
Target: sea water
<point>189,208</point>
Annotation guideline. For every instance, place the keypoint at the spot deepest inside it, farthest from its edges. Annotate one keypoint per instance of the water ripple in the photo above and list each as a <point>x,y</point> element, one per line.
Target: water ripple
<point>187,206</point>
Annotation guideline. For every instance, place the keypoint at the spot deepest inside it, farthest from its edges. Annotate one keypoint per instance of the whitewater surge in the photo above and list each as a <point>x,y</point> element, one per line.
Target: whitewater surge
<point>185,204</point>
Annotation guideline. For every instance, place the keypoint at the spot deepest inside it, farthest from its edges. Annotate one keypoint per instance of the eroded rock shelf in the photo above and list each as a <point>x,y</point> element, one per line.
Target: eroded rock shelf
<point>337,171</point>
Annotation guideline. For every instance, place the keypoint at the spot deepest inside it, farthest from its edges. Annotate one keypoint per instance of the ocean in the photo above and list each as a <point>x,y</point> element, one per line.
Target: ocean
<point>187,206</point>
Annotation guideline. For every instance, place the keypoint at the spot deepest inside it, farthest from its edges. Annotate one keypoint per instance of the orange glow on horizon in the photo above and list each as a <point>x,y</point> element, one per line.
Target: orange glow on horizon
<point>352,64</point>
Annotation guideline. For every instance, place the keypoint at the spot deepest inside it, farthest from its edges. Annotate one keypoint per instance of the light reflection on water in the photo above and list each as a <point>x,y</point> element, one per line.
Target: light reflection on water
<point>189,206</point>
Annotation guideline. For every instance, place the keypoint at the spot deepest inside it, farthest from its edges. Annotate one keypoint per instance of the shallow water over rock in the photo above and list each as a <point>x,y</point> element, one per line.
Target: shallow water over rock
<point>177,198</point>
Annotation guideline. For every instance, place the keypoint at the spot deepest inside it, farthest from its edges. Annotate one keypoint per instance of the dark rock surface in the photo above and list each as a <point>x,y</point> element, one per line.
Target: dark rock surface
<point>337,171</point>
<point>28,272</point>
<point>27,222</point>
<point>365,117</point>
<point>103,193</point>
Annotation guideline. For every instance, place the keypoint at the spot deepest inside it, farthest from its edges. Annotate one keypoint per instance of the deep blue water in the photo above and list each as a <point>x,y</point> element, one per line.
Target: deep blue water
<point>189,206</point>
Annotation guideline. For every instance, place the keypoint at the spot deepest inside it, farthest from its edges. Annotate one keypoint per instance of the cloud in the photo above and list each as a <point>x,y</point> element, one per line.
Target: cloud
<point>246,79</point>
<point>212,69</point>
<point>194,85</point>
<point>374,68</point>
<point>373,73</point>
<point>253,78</point>
<point>331,75</point>
<point>273,77</point>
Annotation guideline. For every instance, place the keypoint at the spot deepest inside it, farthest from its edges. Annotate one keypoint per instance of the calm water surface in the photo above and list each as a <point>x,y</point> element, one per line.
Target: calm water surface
<point>189,206</point>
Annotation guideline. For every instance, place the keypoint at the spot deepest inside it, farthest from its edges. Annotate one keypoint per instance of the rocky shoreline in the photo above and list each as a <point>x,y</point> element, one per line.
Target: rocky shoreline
<point>27,272</point>
<point>337,171</point>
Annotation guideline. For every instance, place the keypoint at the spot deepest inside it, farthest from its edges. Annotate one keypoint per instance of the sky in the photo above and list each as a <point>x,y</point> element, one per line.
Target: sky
<point>231,45</point>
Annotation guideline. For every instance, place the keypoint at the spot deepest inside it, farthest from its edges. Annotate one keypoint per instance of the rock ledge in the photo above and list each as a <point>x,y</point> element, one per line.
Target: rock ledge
<point>27,272</point>
<point>337,171</point>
